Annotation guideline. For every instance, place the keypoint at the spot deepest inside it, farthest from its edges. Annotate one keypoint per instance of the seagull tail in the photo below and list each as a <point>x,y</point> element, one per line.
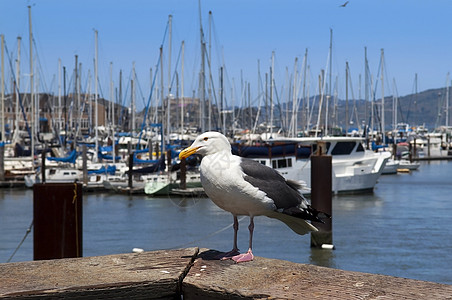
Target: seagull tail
<point>298,225</point>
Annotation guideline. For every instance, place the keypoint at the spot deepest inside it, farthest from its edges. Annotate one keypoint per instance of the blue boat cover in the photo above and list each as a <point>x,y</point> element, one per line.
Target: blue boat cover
<point>104,170</point>
<point>70,158</point>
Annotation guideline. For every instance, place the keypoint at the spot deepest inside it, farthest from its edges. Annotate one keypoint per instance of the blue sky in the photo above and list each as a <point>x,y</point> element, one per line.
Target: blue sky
<point>413,34</point>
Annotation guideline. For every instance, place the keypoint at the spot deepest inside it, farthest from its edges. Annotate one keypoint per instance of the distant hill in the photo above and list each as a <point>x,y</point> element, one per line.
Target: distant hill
<point>424,108</point>
<point>427,107</point>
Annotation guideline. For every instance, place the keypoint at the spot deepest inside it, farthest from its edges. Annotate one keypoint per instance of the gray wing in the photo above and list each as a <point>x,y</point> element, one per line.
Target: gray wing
<point>283,192</point>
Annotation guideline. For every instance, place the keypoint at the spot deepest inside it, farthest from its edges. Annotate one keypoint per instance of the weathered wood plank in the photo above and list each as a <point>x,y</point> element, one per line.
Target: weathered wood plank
<point>168,274</point>
<point>276,279</point>
<point>147,275</point>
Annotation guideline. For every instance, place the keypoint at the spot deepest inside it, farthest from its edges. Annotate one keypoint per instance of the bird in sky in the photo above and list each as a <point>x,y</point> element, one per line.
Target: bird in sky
<point>344,5</point>
<point>245,187</point>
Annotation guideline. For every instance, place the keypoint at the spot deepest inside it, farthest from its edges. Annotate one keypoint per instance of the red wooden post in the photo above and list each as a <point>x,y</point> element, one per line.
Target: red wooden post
<point>57,213</point>
<point>321,196</point>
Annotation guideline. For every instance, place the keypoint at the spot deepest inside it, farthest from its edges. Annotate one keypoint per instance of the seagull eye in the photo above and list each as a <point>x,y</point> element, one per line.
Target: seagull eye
<point>206,138</point>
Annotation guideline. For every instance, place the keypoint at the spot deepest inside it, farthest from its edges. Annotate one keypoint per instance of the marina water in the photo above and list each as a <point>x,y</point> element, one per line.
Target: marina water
<point>402,229</point>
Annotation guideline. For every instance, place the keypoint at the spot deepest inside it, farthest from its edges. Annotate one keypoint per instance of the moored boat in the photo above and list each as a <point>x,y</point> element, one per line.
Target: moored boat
<point>54,175</point>
<point>406,164</point>
<point>391,167</point>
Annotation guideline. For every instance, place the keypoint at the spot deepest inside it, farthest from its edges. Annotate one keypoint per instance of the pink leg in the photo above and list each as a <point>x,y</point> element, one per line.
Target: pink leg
<point>248,256</point>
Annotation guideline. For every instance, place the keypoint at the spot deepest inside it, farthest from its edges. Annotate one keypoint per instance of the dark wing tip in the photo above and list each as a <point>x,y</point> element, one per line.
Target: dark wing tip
<point>308,213</point>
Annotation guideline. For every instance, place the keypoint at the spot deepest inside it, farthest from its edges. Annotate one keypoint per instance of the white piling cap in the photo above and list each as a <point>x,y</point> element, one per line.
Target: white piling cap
<point>328,246</point>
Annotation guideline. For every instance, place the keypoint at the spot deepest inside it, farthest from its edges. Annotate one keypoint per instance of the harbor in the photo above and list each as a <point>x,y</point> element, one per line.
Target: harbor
<point>400,229</point>
<point>133,161</point>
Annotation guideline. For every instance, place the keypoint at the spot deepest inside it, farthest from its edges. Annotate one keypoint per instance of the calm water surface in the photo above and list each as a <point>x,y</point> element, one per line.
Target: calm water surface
<point>402,229</point>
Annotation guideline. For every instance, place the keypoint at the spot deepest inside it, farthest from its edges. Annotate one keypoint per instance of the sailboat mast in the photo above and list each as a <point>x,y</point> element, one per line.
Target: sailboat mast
<point>366,84</point>
<point>170,32</point>
<point>328,96</point>
<point>331,62</point>
<point>133,91</point>
<point>321,91</point>
<point>96,117</point>
<point>271,94</point>
<point>266,99</point>
<point>65,107</point>
<point>259,92</point>
<point>119,100</point>
<point>305,99</point>
<point>168,97</point>
<point>250,110</point>
<point>162,119</point>
<point>233,106</point>
<point>222,115</point>
<point>77,96</point>
<point>447,100</point>
<point>182,92</point>
<point>202,75</point>
<point>32,150</point>
<point>294,123</point>
<point>415,94</point>
<point>209,113</point>
<point>3,89</point>
<point>17,89</point>
<point>36,101</point>
<point>382,98</point>
<point>346,98</point>
<point>372,105</point>
<point>59,95</point>
<point>112,114</point>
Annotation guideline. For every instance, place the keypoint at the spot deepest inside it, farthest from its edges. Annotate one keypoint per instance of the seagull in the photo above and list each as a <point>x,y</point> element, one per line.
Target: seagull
<point>344,5</point>
<point>245,187</point>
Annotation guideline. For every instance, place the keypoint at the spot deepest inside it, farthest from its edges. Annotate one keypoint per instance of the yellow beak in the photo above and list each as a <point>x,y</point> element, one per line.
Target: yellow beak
<point>187,152</point>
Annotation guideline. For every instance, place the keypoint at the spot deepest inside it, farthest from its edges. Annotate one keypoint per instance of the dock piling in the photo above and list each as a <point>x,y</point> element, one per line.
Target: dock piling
<point>84,165</point>
<point>321,196</point>
<point>183,174</point>
<point>130,182</point>
<point>57,213</point>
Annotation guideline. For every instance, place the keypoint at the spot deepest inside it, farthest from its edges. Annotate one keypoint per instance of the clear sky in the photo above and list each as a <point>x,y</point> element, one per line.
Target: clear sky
<point>414,35</point>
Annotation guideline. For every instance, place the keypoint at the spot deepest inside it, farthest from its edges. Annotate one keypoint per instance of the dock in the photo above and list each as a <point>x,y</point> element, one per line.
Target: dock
<point>195,192</point>
<point>195,274</point>
<point>429,158</point>
<point>12,184</point>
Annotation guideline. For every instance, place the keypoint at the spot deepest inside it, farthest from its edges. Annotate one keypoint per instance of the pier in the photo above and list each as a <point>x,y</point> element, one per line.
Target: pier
<point>195,274</point>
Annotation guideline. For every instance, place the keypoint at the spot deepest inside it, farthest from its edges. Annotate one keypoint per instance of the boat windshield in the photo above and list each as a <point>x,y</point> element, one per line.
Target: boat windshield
<point>343,148</point>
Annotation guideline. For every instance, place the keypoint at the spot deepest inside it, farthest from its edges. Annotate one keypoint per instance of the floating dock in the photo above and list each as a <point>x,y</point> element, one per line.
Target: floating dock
<point>428,158</point>
<point>195,191</point>
<point>195,274</point>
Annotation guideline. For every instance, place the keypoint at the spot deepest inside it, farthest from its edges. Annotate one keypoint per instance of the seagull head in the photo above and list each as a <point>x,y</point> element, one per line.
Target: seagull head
<point>207,143</point>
